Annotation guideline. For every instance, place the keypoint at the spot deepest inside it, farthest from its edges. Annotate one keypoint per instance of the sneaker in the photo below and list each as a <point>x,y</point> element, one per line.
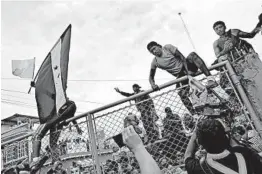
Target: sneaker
<point>22,166</point>
<point>211,82</point>
<point>37,163</point>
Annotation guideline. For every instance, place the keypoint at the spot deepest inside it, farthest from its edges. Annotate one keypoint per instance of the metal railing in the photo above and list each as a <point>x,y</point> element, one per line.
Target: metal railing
<point>164,133</point>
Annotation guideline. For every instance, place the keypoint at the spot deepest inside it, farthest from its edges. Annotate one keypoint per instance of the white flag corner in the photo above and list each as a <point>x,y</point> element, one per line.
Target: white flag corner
<point>23,68</point>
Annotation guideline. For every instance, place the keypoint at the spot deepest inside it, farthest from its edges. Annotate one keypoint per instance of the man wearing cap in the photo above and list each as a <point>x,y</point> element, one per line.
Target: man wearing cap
<point>170,59</point>
<point>145,106</point>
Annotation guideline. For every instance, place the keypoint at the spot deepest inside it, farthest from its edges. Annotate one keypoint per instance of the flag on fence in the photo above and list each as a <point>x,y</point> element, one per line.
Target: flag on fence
<point>23,68</point>
<point>51,80</point>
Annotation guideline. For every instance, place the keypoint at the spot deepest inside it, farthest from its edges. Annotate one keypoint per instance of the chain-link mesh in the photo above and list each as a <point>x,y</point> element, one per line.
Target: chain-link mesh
<point>164,121</point>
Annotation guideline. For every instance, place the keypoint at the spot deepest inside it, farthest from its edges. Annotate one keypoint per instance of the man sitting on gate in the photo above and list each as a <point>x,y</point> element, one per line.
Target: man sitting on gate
<point>221,157</point>
<point>245,61</point>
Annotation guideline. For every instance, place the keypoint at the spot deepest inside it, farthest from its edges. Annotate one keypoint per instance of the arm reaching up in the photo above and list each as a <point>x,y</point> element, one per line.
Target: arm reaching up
<point>244,34</point>
<point>146,163</point>
<point>123,93</point>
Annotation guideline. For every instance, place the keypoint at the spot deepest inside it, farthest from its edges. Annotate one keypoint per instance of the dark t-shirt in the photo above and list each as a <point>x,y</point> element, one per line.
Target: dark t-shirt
<point>253,162</point>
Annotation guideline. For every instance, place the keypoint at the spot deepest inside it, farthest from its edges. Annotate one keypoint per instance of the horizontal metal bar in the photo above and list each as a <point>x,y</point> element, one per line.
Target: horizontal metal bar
<point>17,139</point>
<point>165,85</point>
<point>15,160</point>
<point>12,129</point>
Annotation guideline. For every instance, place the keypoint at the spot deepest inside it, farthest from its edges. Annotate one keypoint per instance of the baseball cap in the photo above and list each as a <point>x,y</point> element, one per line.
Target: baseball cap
<point>136,85</point>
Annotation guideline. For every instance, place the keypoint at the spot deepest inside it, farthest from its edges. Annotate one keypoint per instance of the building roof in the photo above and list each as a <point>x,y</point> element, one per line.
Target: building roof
<point>15,117</point>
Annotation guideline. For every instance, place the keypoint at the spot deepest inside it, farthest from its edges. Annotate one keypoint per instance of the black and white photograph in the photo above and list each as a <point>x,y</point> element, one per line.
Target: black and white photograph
<point>131,87</point>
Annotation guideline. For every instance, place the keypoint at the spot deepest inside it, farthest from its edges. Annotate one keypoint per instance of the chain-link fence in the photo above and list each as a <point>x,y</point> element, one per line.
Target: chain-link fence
<point>164,120</point>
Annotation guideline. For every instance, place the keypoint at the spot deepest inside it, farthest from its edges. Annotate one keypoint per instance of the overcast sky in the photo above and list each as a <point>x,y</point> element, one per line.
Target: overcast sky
<point>109,42</point>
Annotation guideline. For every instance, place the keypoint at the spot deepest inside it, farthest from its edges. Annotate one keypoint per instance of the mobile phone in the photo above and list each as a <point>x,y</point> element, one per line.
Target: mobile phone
<point>119,140</point>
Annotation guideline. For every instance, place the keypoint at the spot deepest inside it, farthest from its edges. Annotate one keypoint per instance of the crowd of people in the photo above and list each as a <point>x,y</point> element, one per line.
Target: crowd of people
<point>221,152</point>
<point>210,146</point>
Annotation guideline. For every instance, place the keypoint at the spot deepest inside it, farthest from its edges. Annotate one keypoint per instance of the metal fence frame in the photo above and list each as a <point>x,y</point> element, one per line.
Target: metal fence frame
<point>232,75</point>
<point>90,114</point>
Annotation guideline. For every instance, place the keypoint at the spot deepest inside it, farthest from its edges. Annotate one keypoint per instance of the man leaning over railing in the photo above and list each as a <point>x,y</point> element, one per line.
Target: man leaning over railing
<point>170,59</point>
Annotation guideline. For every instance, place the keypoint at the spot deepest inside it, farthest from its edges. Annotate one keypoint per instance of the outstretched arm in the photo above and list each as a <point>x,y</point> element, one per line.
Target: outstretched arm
<point>152,75</point>
<point>243,34</point>
<point>124,93</point>
<point>146,162</point>
<point>191,147</point>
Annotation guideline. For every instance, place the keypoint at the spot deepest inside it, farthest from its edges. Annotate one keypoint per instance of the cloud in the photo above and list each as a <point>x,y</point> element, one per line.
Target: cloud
<point>109,38</point>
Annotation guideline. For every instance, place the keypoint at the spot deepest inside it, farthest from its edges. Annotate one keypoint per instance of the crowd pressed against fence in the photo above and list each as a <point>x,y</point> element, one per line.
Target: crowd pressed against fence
<point>201,126</point>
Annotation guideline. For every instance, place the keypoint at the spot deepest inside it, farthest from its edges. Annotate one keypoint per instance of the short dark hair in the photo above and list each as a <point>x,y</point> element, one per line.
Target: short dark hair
<point>219,23</point>
<point>211,135</point>
<point>151,44</point>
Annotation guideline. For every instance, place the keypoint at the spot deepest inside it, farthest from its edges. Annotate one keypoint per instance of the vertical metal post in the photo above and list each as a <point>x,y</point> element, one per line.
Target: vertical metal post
<point>238,98</point>
<point>244,97</point>
<point>29,146</point>
<point>93,143</point>
<point>93,118</point>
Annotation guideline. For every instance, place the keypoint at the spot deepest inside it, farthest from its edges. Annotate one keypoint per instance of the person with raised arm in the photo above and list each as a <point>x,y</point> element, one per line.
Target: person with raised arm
<point>145,161</point>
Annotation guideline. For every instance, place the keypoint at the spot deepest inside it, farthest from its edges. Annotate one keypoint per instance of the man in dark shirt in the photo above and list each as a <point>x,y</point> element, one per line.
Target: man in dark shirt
<point>221,157</point>
<point>174,133</point>
<point>146,107</point>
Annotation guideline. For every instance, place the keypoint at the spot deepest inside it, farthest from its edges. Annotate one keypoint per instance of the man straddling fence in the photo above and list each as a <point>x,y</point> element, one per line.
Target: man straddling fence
<point>53,105</point>
<point>169,58</point>
<point>146,107</point>
<point>245,61</point>
<point>55,126</point>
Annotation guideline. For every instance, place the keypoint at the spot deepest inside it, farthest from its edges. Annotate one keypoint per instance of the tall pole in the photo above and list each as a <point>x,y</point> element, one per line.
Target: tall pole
<point>187,31</point>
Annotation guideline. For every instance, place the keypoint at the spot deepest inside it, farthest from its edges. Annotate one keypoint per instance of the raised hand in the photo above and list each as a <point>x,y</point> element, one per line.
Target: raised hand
<point>117,90</point>
<point>132,139</point>
<point>228,45</point>
<point>155,87</point>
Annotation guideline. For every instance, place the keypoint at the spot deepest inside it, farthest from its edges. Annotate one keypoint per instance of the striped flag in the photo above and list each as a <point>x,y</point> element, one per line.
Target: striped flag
<point>23,68</point>
<point>51,80</point>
